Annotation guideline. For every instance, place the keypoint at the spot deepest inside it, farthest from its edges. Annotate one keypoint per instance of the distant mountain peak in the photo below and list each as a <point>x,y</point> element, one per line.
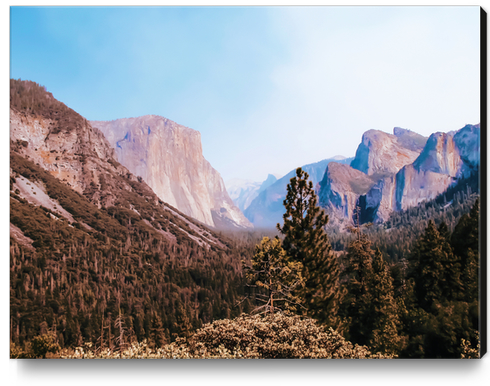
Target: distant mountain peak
<point>398,171</point>
<point>398,131</point>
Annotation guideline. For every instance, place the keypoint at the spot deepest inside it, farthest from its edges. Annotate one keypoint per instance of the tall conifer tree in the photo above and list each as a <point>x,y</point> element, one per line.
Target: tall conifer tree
<point>306,241</point>
<point>465,242</point>
<point>386,323</point>
<point>427,268</point>
<point>356,304</point>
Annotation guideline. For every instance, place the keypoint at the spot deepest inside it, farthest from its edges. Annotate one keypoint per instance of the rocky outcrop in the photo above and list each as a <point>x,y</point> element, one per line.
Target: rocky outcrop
<point>79,155</point>
<point>443,159</point>
<point>381,154</point>
<point>267,209</point>
<point>340,190</point>
<point>168,157</point>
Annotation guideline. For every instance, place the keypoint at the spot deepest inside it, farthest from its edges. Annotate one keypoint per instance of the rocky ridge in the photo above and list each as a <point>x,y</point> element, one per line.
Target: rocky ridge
<point>398,171</point>
<point>59,141</point>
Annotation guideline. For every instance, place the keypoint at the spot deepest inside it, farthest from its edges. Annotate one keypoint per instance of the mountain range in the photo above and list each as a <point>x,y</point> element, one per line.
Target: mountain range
<point>243,192</point>
<point>393,172</point>
<point>267,209</point>
<point>390,172</point>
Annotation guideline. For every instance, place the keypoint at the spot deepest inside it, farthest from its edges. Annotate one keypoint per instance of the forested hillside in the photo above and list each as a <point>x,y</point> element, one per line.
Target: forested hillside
<point>161,272</point>
<point>78,278</point>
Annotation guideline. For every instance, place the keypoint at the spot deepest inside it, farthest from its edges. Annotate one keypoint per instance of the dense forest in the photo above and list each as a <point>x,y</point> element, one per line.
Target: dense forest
<point>78,281</point>
<point>137,275</point>
<point>140,260</point>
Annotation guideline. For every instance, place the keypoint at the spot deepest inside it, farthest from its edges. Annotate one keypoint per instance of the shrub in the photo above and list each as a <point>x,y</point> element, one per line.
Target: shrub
<point>42,344</point>
<point>274,336</point>
<point>269,336</point>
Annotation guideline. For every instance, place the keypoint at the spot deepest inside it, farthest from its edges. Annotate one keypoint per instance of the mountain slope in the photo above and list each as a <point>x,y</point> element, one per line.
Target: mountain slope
<point>168,157</point>
<point>267,209</point>
<point>243,192</point>
<point>89,240</point>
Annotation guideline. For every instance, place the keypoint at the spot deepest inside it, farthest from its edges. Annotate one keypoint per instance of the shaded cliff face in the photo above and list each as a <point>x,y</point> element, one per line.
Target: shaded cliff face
<point>381,154</point>
<point>267,209</point>
<point>340,190</point>
<point>445,158</point>
<point>440,155</point>
<point>467,141</point>
<point>168,157</point>
<point>441,161</point>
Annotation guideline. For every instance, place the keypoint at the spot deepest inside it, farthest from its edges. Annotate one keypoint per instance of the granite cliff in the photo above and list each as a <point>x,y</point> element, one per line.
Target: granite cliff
<point>395,172</point>
<point>380,154</point>
<point>445,158</point>
<point>168,157</point>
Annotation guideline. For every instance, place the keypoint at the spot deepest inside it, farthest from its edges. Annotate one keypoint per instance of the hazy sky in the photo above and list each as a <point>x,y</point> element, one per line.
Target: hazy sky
<point>268,88</point>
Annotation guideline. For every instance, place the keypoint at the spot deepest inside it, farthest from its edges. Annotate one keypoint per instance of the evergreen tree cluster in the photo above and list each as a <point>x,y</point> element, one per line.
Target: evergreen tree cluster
<point>109,278</point>
<point>423,306</point>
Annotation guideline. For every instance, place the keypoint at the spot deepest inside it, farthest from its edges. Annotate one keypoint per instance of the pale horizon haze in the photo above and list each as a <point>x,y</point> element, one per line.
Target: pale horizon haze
<point>268,88</point>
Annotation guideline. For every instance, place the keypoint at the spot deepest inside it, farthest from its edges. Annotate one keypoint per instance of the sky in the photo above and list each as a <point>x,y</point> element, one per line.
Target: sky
<point>268,88</point>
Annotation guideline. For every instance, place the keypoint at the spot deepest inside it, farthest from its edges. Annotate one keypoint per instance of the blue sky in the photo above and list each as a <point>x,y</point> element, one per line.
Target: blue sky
<point>268,88</point>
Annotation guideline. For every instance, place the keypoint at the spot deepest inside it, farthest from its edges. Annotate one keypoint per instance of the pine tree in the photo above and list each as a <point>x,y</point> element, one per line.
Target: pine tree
<point>356,303</point>
<point>273,271</point>
<point>465,242</point>
<point>427,268</point>
<point>385,336</point>
<point>451,285</point>
<point>157,333</point>
<point>305,241</point>
<point>441,315</point>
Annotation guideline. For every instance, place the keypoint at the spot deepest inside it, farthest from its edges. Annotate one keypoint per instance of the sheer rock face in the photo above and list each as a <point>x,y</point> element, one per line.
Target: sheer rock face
<point>445,158</point>
<point>404,173</point>
<point>341,188</point>
<point>79,156</point>
<point>168,157</point>
<point>381,154</point>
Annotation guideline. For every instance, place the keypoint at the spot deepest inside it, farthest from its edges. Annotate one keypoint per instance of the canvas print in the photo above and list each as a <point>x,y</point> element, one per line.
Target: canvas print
<point>246,182</point>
